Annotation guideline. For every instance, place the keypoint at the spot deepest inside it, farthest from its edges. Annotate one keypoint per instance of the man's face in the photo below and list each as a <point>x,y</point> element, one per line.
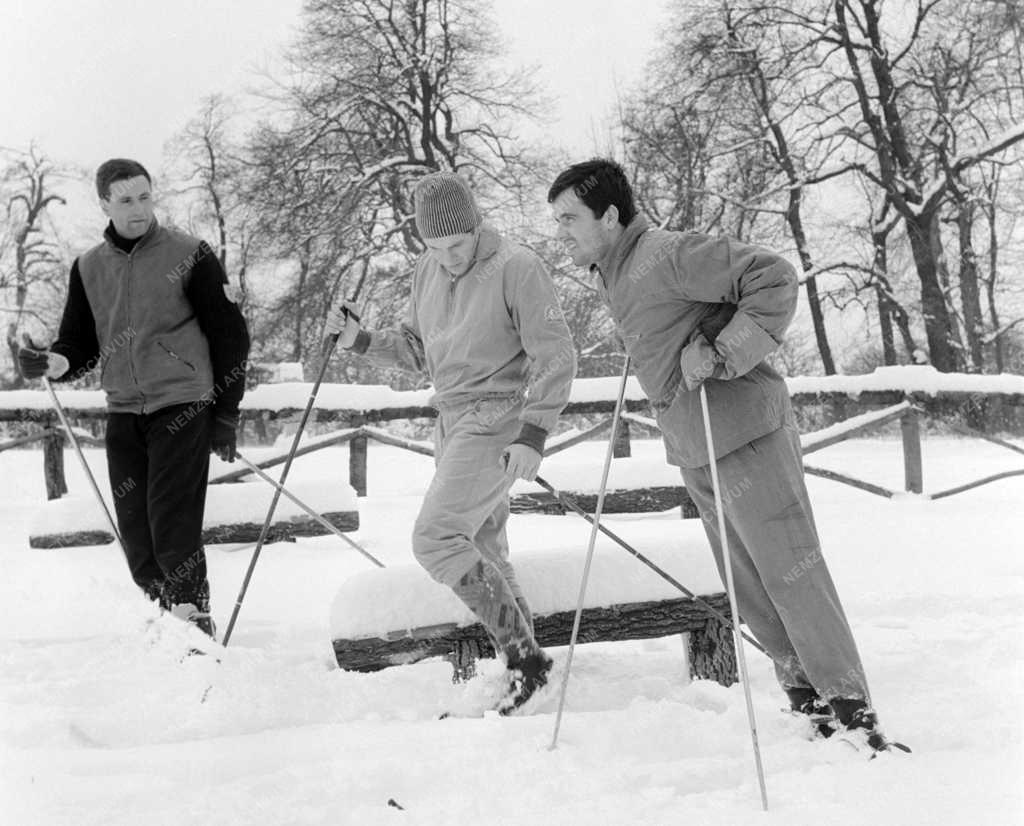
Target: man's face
<point>453,252</point>
<point>130,206</point>
<point>584,237</point>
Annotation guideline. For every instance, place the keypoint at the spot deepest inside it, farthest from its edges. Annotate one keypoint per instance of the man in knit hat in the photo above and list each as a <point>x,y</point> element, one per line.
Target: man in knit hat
<point>484,323</point>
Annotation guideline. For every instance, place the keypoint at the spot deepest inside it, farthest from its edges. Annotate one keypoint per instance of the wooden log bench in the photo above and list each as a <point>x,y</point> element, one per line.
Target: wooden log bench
<point>399,616</point>
<point>651,499</point>
<point>635,485</point>
<point>234,513</point>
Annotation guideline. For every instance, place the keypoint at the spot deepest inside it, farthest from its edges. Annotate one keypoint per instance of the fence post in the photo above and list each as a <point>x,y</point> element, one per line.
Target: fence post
<point>621,447</point>
<point>53,465</point>
<point>357,464</point>
<point>912,469</point>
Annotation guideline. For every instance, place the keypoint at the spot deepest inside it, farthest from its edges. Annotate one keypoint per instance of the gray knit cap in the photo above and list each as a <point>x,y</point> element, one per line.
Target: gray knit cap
<point>444,206</point>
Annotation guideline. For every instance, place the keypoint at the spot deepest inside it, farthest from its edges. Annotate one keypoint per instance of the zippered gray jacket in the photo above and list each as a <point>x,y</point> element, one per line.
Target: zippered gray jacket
<point>149,319</point>
<point>495,331</point>
<point>659,285</point>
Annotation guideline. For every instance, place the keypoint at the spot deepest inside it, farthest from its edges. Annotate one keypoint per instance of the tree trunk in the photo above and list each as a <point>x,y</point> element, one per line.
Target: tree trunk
<point>990,282</point>
<point>300,290</point>
<point>937,323</point>
<point>17,380</point>
<point>970,296</point>
<point>885,326</point>
<point>880,267</point>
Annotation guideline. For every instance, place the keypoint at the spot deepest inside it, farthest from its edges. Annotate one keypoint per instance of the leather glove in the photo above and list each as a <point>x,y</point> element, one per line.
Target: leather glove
<point>343,321</point>
<point>717,321</point>
<point>224,442</point>
<point>521,462</point>
<point>699,361</point>
<point>35,362</point>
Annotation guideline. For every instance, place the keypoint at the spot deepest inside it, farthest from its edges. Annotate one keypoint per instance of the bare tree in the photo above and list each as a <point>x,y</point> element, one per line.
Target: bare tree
<point>916,157</point>
<point>379,93</point>
<point>733,132</point>
<point>32,264</point>
<point>208,182</point>
<point>771,64</point>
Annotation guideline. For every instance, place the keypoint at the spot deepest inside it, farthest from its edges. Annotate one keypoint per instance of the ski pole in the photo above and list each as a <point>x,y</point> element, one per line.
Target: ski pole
<point>572,505</point>
<point>62,415</point>
<point>328,351</point>
<point>332,528</point>
<point>731,588</point>
<point>590,552</point>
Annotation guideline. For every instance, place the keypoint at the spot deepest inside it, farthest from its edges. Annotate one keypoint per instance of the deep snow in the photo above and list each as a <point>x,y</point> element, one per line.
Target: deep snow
<point>103,724</point>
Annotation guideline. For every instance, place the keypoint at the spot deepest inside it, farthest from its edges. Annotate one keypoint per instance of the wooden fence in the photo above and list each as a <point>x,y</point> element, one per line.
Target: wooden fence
<point>358,427</point>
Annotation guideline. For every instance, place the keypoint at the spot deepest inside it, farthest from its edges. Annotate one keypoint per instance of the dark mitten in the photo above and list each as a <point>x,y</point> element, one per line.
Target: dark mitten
<point>33,363</point>
<point>717,321</point>
<point>33,360</point>
<point>224,440</point>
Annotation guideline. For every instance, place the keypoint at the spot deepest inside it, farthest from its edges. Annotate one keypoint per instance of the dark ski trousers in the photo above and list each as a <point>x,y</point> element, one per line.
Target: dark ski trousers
<point>784,590</point>
<point>159,464</point>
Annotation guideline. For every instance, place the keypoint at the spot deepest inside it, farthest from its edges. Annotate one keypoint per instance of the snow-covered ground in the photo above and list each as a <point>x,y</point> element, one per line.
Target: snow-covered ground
<point>102,723</point>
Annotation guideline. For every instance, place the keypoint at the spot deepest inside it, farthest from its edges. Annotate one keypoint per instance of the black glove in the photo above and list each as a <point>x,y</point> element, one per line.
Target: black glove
<point>224,442</point>
<point>33,360</point>
<point>716,321</point>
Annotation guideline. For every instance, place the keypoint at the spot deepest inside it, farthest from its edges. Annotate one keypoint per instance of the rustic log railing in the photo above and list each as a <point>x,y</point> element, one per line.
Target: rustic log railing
<point>358,428</point>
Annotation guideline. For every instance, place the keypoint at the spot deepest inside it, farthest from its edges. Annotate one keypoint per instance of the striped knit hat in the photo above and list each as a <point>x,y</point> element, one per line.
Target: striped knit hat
<point>444,206</point>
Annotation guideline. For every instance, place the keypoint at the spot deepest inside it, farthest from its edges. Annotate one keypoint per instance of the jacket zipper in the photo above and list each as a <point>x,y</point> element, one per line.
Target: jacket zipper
<point>131,326</point>
<point>451,299</point>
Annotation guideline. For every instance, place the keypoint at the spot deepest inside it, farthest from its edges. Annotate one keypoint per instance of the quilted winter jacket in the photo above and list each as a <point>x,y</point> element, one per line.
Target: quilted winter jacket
<point>659,286</point>
<point>152,351</point>
<point>495,331</point>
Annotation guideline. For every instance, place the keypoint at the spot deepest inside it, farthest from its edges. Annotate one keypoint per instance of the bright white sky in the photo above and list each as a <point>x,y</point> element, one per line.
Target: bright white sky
<point>92,79</point>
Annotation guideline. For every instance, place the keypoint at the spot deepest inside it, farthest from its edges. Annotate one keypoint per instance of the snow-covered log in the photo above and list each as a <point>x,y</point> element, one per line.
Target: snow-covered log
<point>399,615</point>
<point>710,647</point>
<point>234,513</point>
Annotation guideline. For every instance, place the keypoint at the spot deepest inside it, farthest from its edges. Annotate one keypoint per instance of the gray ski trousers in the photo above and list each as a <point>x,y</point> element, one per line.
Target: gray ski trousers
<point>784,591</point>
<point>465,510</point>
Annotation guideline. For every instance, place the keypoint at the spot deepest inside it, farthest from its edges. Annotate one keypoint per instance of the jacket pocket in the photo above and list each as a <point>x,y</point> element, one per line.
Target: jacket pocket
<point>176,357</point>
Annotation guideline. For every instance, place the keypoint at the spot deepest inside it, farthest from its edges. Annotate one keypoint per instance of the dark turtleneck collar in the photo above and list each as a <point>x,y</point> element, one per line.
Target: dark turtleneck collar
<point>126,244</point>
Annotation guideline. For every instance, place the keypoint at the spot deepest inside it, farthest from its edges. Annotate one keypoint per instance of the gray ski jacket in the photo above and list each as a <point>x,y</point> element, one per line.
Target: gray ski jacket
<point>660,286</point>
<point>496,331</point>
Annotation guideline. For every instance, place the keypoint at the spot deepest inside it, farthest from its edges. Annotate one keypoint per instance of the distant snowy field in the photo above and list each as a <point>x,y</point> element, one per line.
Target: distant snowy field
<point>101,723</point>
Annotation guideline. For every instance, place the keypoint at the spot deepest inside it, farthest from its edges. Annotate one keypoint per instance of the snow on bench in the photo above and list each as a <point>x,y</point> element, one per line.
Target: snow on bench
<point>399,615</point>
<point>234,513</point>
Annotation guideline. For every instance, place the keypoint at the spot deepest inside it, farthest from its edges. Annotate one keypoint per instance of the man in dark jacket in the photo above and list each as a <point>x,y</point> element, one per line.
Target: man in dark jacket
<point>693,309</point>
<point>148,307</point>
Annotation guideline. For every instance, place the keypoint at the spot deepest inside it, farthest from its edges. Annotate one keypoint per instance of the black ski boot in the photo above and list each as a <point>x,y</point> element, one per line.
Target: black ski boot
<point>807,701</point>
<point>857,716</point>
<point>529,674</point>
<point>487,593</point>
<point>197,611</point>
<point>154,590</point>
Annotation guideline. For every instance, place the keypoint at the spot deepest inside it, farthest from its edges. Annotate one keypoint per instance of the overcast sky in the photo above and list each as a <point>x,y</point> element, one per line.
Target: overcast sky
<point>92,79</point>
